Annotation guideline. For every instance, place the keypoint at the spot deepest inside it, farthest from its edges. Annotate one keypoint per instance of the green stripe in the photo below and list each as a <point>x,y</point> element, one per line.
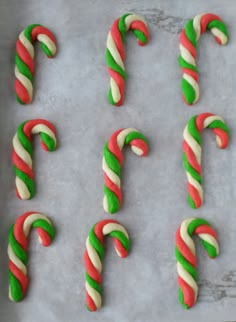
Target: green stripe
<point>112,200</point>
<point>140,36</point>
<point>28,31</point>
<point>196,223</point>
<point>46,50</point>
<point>113,65</point>
<point>187,266</point>
<point>48,141</point>
<point>191,33</point>
<point>16,247</point>
<point>211,250</point>
<point>23,68</point>
<point>184,64</point>
<point>26,179</point>
<point>93,283</point>
<point>135,135</point>
<point>192,128</point>
<point>95,242</point>
<point>23,139</point>
<point>41,223</point>
<point>122,238</point>
<point>190,169</point>
<point>122,26</point>
<point>191,202</point>
<point>16,290</point>
<point>181,299</point>
<point>219,124</point>
<point>219,25</point>
<point>111,160</point>
<point>188,91</point>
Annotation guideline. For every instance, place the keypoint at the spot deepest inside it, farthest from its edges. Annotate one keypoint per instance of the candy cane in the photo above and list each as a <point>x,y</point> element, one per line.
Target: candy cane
<point>18,246</point>
<point>94,255</point>
<point>112,162</point>
<point>186,256</point>
<point>115,52</point>
<point>192,151</point>
<point>23,150</point>
<point>24,68</point>
<point>188,44</point>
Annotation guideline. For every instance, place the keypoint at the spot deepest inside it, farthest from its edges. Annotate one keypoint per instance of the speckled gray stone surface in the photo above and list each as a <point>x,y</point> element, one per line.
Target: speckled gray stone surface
<point>71,91</point>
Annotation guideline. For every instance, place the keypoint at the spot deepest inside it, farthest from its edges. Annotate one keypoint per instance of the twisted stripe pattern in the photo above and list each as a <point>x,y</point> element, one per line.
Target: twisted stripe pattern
<point>113,160</point>
<point>24,60</point>
<point>188,50</point>
<point>23,151</point>
<point>115,52</point>
<point>192,151</point>
<point>94,255</point>
<point>186,256</point>
<point>17,250</point>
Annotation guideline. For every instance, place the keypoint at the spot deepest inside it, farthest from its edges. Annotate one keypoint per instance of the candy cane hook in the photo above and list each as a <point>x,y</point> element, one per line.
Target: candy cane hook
<point>112,162</point>
<point>18,246</point>
<point>94,255</point>
<point>23,151</point>
<point>186,256</point>
<point>115,52</point>
<point>188,53</point>
<point>24,61</point>
<point>192,151</point>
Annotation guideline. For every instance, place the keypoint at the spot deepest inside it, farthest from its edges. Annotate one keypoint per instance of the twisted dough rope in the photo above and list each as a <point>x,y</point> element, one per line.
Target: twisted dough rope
<point>192,151</point>
<point>94,255</point>
<point>23,151</point>
<point>115,52</point>
<point>186,256</point>
<point>24,60</point>
<point>17,250</point>
<point>188,53</point>
<point>113,160</point>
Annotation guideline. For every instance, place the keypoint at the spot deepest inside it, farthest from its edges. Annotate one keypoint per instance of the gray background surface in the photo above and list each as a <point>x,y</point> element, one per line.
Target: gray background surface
<point>71,91</point>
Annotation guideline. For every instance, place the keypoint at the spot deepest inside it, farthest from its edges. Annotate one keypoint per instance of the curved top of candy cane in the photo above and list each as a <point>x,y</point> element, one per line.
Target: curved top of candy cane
<point>23,151</point>
<point>113,160</point>
<point>188,54</point>
<point>24,61</point>
<point>115,52</point>
<point>17,249</point>
<point>192,151</point>
<point>186,256</point>
<point>94,254</point>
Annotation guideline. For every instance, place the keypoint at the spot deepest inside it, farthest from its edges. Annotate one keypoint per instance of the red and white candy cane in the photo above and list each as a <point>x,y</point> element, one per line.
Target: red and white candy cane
<point>192,151</point>
<point>24,60</point>
<point>115,52</point>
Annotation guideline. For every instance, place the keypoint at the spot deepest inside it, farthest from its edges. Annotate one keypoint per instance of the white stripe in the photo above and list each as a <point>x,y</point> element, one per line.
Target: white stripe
<point>197,150</point>
<point>42,128</point>
<point>194,84</point>
<point>12,256</point>
<point>21,152</point>
<point>114,51</point>
<point>197,25</point>
<point>105,204</point>
<point>48,42</point>
<point>110,227</point>
<point>185,236</point>
<point>31,219</point>
<point>219,34</point>
<point>196,184</point>
<point>210,240</point>
<point>211,119</point>
<point>93,255</point>
<point>122,136</point>
<point>186,55</point>
<point>111,175</point>
<point>25,82</point>
<point>187,278</point>
<point>131,18</point>
<point>22,189</point>
<point>115,90</point>
<point>27,44</point>
<point>96,297</point>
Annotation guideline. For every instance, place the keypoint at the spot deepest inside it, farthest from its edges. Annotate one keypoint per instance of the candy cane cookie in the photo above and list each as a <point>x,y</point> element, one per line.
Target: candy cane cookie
<point>24,60</point>
<point>18,246</point>
<point>115,52</point>
<point>186,256</point>
<point>113,160</point>
<point>188,50</point>
<point>94,255</point>
<point>23,151</point>
<point>192,151</point>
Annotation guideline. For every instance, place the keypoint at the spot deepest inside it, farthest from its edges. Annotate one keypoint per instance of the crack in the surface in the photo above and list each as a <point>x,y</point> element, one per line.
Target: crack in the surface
<point>161,20</point>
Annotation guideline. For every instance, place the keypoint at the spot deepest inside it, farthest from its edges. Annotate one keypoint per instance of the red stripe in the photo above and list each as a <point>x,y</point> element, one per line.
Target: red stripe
<point>184,249</point>
<point>25,56</point>
<point>18,230</point>
<point>206,19</point>
<point>193,192</point>
<point>42,30</point>
<point>91,270</point>
<point>30,124</point>
<point>21,165</point>
<point>22,92</point>
<point>189,296</point>
<point>90,303</point>
<point>114,148</point>
<point>119,246</point>
<point>191,157</point>
<point>99,227</point>
<point>116,35</point>
<point>187,44</point>
<point>200,120</point>
<point>45,238</point>
<point>224,138</point>
<point>139,25</point>
<point>204,229</point>
<point>120,83</point>
<point>20,276</point>
<point>139,143</point>
<point>191,73</point>
<point>114,188</point>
